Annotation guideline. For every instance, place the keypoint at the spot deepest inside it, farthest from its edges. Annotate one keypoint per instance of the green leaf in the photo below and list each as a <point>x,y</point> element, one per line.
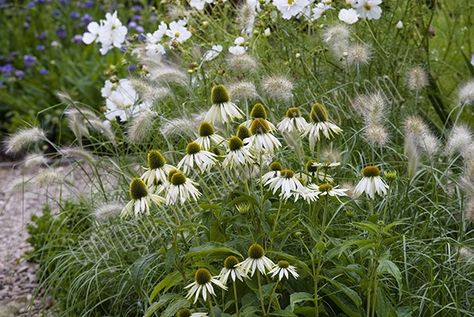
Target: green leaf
<point>283,313</point>
<point>387,266</point>
<point>165,284</point>
<point>298,298</point>
<point>172,309</point>
<point>353,296</point>
<point>211,248</point>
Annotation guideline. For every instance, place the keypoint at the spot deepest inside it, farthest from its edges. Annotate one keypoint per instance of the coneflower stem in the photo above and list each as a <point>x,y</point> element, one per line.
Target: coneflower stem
<point>237,312</point>
<point>271,297</point>
<point>262,304</point>
<point>209,302</point>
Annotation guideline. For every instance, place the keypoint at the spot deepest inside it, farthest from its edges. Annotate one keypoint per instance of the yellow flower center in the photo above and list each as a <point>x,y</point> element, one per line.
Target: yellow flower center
<point>202,276</point>
<point>290,2</point>
<point>177,34</point>
<point>371,171</point>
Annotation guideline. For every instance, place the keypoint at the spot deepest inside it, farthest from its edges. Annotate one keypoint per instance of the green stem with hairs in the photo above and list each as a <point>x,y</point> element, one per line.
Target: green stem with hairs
<point>237,312</point>
<point>262,304</point>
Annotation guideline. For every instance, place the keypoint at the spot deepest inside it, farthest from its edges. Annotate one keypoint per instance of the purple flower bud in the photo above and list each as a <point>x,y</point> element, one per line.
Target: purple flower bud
<point>86,19</point>
<point>40,47</point>
<point>77,39</point>
<point>7,69</point>
<point>61,32</point>
<point>29,60</point>
<point>132,67</point>
<point>42,36</point>
<point>74,15</point>
<point>56,12</point>
<point>140,29</point>
<point>89,3</point>
<point>19,74</point>
<point>44,71</point>
<point>132,25</point>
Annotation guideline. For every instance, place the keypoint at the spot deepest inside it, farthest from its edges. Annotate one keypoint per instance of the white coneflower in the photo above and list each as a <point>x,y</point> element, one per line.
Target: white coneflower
<point>278,88</point>
<point>358,54</point>
<point>242,90</point>
<point>231,270</point>
<point>34,160</point>
<point>327,189</point>
<point>140,199</point>
<point>107,211</point>
<point>180,189</point>
<point>256,261</point>
<point>293,122</point>
<point>466,93</point>
<point>459,140</point>
<point>207,136</point>
<point>185,312</point>
<point>157,170</point>
<point>287,183</point>
<point>275,169</point>
<point>417,78</point>
<point>244,64</point>
<point>371,183</point>
<point>238,155</point>
<point>261,138</point>
<point>222,109</point>
<point>22,139</point>
<point>317,170</point>
<point>376,135</point>
<point>139,129</point>
<point>421,135</point>
<point>283,269</point>
<point>320,124</point>
<point>203,285</point>
<point>195,157</point>
<point>258,112</point>
<point>243,132</point>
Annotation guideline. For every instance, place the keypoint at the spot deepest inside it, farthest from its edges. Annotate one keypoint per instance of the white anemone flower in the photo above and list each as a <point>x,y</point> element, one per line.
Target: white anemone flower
<point>222,109</point>
<point>371,183</point>
<point>180,189</point>
<point>178,32</point>
<point>320,125</point>
<point>290,8</point>
<point>212,53</point>
<point>199,4</point>
<point>208,137</point>
<point>141,199</point>
<point>293,122</point>
<point>256,261</point>
<point>238,155</point>
<point>261,139</point>
<point>231,270</point>
<point>203,285</point>
<point>157,171</point>
<point>349,16</point>
<point>195,157</point>
<point>238,48</point>
<point>153,47</point>
<point>283,269</point>
<point>287,183</point>
<point>368,9</point>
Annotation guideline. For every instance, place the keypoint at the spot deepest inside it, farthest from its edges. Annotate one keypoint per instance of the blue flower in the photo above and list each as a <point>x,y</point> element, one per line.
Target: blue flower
<point>61,32</point>
<point>29,60</point>
<point>74,15</point>
<point>86,19</point>
<point>44,71</point>
<point>20,74</point>
<point>40,47</point>
<point>42,36</point>
<point>7,69</point>
<point>77,39</point>
<point>132,67</point>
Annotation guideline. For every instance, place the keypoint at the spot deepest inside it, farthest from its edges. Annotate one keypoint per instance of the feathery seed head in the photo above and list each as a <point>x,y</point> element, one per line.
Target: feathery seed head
<point>155,159</point>
<point>358,54</point>
<point>193,148</point>
<point>138,189</point>
<point>466,93</point>
<point>376,134</point>
<point>23,138</point>
<point>319,113</point>
<point>259,126</point>
<point>243,90</point>
<point>242,63</point>
<point>243,132</point>
<point>230,262</point>
<point>278,87</point>
<point>202,276</point>
<point>371,171</point>
<point>219,94</point>
<point>417,78</point>
<point>235,143</point>
<point>206,129</point>
<point>256,251</point>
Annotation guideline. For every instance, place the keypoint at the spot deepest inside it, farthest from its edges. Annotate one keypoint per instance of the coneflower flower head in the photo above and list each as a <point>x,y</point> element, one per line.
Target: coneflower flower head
<point>417,78</point>
<point>275,166</point>
<point>195,156</point>
<point>293,121</point>
<point>207,136</point>
<point>320,124</point>
<point>231,269</point>
<point>284,269</point>
<point>371,183</point>
<point>243,132</point>
<point>202,284</point>
<point>222,109</point>
<point>140,198</point>
<point>155,159</point>
<point>180,189</point>
<point>319,113</point>
<point>311,167</point>
<point>235,143</point>
<point>137,189</point>
<point>258,111</point>
<point>256,260</point>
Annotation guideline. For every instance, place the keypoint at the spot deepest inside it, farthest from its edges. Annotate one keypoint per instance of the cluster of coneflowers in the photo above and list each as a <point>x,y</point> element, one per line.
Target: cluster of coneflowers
<point>247,154</point>
<point>255,264</point>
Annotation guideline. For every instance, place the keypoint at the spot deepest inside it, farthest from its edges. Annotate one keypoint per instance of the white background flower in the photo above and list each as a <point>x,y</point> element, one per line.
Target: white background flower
<point>349,16</point>
<point>178,32</point>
